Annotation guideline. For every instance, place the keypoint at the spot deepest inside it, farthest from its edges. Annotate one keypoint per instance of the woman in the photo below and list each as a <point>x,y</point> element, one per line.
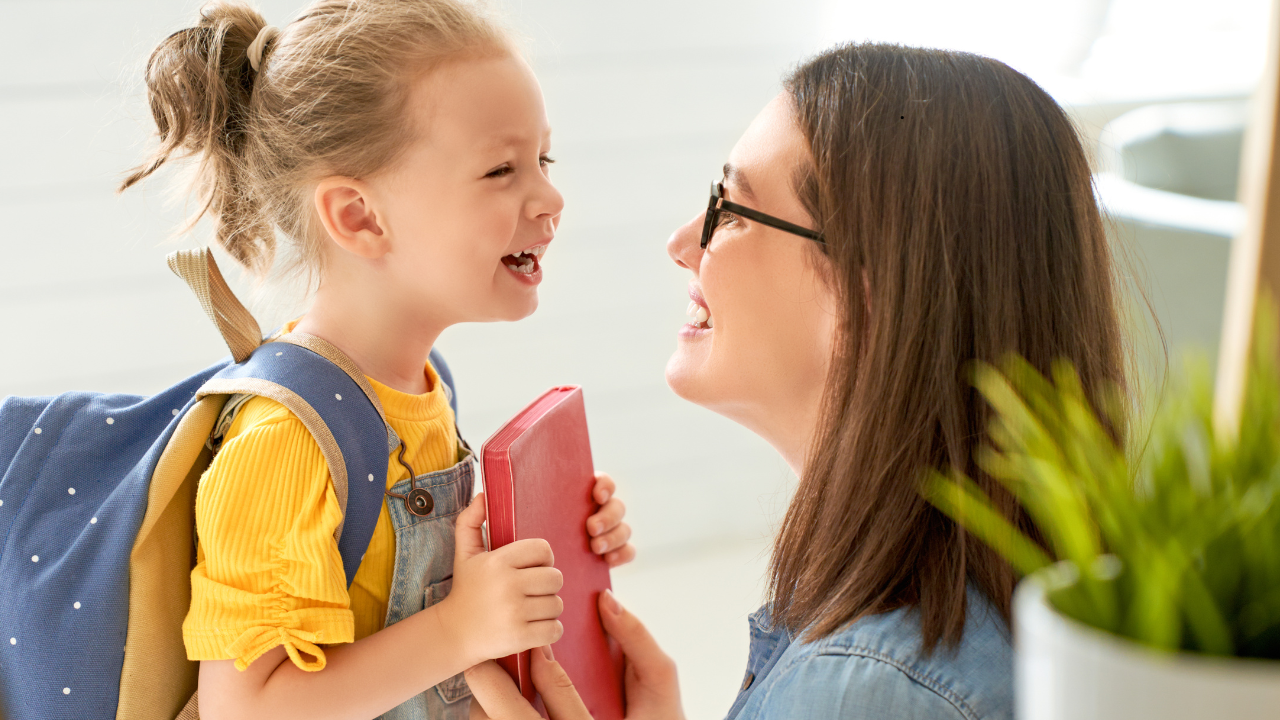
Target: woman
<point>891,217</point>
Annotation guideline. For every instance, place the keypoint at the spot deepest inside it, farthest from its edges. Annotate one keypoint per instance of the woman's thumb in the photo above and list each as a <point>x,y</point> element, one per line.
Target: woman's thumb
<point>644,657</point>
<point>468,534</point>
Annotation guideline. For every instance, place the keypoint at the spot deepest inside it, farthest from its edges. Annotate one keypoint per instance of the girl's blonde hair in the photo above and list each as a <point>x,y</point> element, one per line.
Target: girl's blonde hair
<point>329,98</point>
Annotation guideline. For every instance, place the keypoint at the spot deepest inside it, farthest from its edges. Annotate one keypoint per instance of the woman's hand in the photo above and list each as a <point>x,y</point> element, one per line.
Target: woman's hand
<point>652,688</point>
<point>609,535</point>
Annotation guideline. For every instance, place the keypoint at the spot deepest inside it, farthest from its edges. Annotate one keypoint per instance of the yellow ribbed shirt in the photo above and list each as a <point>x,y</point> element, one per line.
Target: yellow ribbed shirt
<point>268,571</point>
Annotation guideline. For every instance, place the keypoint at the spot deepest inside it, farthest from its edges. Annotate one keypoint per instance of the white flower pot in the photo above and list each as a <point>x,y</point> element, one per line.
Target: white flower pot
<point>1066,670</point>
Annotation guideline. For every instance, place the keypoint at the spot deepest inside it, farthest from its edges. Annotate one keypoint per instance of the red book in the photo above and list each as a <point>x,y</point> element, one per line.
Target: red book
<point>538,479</point>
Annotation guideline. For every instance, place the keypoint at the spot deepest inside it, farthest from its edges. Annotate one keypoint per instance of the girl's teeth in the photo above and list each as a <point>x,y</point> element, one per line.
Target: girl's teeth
<point>711,322</point>
<point>692,309</point>
<point>702,314</point>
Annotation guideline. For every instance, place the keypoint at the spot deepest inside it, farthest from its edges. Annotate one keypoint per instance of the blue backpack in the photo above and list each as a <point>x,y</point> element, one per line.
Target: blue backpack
<point>97,512</point>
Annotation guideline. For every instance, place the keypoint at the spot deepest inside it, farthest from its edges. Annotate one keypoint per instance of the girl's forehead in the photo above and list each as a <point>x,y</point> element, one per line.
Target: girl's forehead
<point>486,104</point>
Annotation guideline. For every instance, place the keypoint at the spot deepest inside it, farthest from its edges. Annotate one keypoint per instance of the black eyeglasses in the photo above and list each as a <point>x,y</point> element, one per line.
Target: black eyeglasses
<point>718,205</point>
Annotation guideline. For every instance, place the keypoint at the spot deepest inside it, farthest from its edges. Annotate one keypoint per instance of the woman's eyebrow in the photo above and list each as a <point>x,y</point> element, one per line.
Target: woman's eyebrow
<point>734,175</point>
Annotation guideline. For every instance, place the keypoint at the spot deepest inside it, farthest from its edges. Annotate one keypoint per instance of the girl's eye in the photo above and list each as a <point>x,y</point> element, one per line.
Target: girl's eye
<point>498,172</point>
<point>546,160</point>
<point>725,217</point>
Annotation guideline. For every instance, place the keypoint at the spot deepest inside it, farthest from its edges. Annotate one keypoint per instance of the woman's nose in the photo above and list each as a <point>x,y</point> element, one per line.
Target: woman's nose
<point>683,246</point>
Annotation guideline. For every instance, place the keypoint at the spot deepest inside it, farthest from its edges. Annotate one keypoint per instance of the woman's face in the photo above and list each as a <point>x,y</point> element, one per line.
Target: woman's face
<point>761,358</point>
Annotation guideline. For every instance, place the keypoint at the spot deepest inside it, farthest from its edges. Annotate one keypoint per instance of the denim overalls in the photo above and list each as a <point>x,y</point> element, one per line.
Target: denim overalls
<point>424,574</point>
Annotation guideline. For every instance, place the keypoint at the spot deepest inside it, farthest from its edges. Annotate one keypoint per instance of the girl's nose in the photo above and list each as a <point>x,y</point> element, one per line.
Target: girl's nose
<point>683,244</point>
<point>547,201</point>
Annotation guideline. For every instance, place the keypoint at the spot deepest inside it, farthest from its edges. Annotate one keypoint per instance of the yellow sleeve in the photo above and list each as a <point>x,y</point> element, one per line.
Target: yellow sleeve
<point>268,571</point>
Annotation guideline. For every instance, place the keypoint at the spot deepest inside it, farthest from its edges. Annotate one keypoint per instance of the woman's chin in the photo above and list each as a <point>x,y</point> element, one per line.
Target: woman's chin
<point>684,377</point>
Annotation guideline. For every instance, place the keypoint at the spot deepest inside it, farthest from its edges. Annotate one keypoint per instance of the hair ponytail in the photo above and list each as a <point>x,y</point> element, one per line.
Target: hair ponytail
<point>200,83</point>
<point>329,97</point>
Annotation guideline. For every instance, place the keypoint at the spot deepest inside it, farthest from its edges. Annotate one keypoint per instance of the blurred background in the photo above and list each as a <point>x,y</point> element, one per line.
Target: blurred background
<point>646,100</point>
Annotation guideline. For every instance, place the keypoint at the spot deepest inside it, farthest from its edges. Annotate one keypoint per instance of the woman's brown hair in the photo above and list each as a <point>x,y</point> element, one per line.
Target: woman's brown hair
<point>961,224</point>
<point>329,97</point>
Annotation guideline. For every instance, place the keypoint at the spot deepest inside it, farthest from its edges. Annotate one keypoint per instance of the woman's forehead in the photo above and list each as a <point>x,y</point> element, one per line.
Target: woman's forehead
<point>762,163</point>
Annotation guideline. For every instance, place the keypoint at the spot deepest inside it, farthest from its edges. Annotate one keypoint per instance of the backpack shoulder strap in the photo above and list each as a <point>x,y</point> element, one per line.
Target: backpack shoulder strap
<point>442,369</point>
<point>334,401</point>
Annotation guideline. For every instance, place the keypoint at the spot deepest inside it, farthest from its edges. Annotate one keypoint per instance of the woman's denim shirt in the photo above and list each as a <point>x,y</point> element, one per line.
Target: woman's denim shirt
<point>874,668</point>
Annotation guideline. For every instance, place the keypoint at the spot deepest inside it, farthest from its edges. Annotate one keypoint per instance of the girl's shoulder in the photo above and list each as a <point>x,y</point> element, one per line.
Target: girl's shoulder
<point>876,667</point>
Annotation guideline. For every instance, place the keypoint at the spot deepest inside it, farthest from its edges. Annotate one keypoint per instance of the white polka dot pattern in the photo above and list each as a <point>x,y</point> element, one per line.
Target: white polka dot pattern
<point>38,431</point>
<point>337,396</point>
<point>71,491</point>
<point>111,421</point>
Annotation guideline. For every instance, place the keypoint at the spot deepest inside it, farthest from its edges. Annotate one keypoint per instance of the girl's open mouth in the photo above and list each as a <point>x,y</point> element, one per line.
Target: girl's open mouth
<point>525,262</point>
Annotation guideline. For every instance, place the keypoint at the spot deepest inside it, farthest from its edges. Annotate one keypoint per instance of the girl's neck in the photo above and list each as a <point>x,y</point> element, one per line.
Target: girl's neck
<point>386,343</point>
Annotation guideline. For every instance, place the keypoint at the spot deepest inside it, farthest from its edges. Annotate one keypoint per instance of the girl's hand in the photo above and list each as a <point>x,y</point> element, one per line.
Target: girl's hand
<point>652,689</point>
<point>609,535</point>
<point>502,602</point>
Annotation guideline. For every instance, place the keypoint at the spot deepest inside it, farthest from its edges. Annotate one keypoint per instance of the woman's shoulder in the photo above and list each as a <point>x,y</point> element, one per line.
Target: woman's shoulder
<point>876,667</point>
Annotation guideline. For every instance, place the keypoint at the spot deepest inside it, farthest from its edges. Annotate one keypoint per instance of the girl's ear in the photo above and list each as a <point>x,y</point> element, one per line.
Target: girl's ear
<point>346,209</point>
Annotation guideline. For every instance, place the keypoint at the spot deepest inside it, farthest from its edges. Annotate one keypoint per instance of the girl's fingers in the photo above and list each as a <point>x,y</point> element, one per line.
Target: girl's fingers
<point>496,695</point>
<point>604,489</point>
<point>528,553</point>
<point>541,581</point>
<point>606,518</point>
<point>544,607</point>
<point>611,540</point>
<point>621,556</point>
<point>556,688</point>
<point>543,632</point>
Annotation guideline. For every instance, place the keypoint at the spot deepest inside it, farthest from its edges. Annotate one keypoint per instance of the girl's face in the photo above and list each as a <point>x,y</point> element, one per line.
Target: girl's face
<point>763,360</point>
<point>469,207</point>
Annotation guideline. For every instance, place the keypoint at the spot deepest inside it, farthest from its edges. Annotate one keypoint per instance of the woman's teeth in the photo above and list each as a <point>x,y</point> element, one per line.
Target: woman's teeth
<point>701,316</point>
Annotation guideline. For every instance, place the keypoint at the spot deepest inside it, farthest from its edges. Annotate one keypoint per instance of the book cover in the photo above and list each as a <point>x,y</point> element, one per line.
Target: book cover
<point>538,478</point>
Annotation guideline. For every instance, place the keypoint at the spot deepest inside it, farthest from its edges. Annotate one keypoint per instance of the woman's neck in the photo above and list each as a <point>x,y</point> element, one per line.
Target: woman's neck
<point>387,343</point>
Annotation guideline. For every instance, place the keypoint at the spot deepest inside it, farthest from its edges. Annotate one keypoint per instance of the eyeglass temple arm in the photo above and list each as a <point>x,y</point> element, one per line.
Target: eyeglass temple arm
<point>771,221</point>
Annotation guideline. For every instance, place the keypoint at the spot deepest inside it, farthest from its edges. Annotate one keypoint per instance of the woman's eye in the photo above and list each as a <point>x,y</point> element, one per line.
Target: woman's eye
<point>546,160</point>
<point>498,172</point>
<point>725,218</point>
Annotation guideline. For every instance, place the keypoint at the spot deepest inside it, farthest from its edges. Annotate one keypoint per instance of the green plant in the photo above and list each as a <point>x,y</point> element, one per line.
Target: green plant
<point>1175,544</point>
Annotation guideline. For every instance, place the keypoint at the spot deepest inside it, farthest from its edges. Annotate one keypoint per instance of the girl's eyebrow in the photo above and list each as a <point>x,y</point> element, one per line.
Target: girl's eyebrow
<point>511,140</point>
<point>735,175</point>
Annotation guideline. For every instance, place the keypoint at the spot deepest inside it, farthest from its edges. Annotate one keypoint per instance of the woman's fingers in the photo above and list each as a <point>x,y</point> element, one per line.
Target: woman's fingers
<point>611,540</point>
<point>497,696</point>
<point>556,688</point>
<point>607,517</point>
<point>653,688</point>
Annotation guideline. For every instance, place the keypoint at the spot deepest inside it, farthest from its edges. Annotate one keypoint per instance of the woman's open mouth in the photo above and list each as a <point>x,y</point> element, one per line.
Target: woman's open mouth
<point>701,316</point>
<point>525,263</point>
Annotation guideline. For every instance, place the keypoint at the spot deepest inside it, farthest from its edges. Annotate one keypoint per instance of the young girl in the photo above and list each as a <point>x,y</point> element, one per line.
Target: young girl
<point>401,147</point>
